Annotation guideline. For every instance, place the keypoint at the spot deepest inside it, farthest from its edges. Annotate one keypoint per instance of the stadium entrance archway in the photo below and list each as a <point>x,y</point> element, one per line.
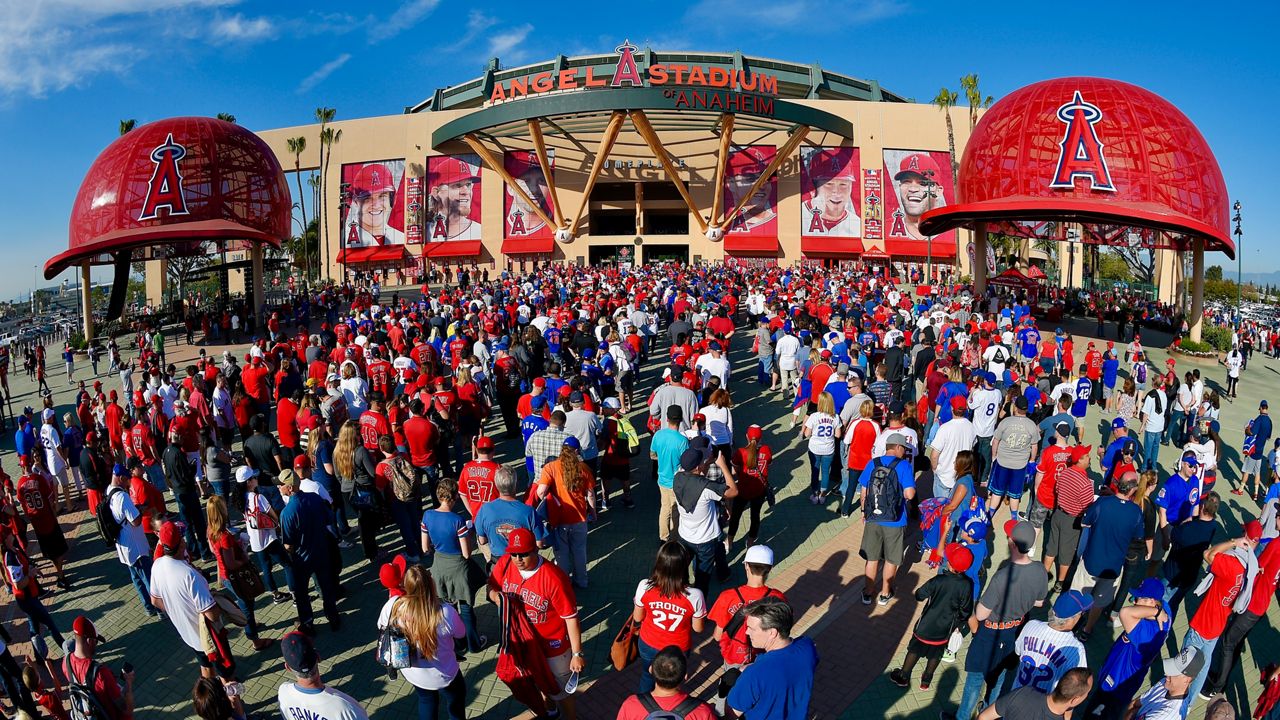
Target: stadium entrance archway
<point>660,253</point>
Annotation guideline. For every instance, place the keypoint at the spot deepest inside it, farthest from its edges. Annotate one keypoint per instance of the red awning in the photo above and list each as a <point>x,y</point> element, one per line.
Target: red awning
<point>920,248</point>
<point>366,255</point>
<point>453,248</point>
<point>750,245</point>
<point>528,246</point>
<point>826,246</point>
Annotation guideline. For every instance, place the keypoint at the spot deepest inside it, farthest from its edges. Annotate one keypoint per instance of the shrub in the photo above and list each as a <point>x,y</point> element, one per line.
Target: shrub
<point>1191,347</point>
<point>78,342</point>
<point>1217,337</point>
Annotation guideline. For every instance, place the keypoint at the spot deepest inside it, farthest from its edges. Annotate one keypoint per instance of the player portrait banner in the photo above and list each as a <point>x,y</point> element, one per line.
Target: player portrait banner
<point>374,195</point>
<point>453,198</point>
<point>521,221</point>
<point>873,204</point>
<point>831,198</point>
<point>759,217</point>
<point>919,181</point>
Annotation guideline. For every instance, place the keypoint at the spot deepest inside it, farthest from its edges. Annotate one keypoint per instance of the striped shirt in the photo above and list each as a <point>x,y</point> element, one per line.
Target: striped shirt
<point>1075,491</point>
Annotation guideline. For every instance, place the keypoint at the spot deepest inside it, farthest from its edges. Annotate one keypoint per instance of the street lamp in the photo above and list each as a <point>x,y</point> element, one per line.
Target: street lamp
<point>1239,263</point>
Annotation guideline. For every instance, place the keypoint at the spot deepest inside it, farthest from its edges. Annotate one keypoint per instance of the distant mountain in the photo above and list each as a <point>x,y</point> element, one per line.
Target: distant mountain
<point>1257,278</point>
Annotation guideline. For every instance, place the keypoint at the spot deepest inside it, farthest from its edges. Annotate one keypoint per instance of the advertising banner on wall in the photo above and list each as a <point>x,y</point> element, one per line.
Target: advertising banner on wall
<point>919,181</point>
<point>453,198</point>
<point>831,199</point>
<point>759,217</point>
<point>374,195</point>
<point>521,221</point>
<point>873,204</point>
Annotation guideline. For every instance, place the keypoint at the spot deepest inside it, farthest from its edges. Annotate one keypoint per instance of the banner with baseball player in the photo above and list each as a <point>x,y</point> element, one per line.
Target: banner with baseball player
<point>830,195</point>
<point>521,221</point>
<point>374,198</point>
<point>759,217</point>
<point>453,198</point>
<point>920,181</point>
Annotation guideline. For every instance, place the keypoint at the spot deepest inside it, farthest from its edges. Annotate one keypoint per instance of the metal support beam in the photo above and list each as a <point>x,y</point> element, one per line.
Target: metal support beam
<point>259,283</point>
<point>785,152</point>
<point>602,154</point>
<point>474,143</point>
<point>641,123</point>
<point>979,269</point>
<point>726,140</point>
<point>540,148</point>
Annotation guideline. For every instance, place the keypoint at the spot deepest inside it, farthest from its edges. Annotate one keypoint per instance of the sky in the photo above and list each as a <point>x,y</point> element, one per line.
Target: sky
<point>70,70</point>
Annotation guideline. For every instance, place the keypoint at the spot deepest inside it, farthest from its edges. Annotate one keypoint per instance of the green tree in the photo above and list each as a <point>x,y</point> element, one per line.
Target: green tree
<point>1214,272</point>
<point>296,146</point>
<point>1113,268</point>
<point>969,83</point>
<point>945,100</point>
<point>325,115</point>
<point>226,117</point>
<point>127,125</point>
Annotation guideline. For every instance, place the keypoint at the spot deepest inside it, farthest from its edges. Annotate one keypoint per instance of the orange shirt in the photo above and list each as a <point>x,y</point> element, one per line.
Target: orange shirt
<point>563,506</point>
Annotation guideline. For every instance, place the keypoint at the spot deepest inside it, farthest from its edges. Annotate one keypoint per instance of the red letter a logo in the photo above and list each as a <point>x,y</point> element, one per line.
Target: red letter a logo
<point>626,71</point>
<point>1080,152</point>
<point>165,188</point>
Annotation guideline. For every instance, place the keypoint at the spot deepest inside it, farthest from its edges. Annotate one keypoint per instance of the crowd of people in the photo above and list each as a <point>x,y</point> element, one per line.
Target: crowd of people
<point>488,421</point>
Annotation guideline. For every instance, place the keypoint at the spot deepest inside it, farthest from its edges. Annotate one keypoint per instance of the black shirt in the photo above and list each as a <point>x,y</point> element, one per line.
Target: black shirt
<point>948,601</point>
<point>262,452</point>
<point>178,470</point>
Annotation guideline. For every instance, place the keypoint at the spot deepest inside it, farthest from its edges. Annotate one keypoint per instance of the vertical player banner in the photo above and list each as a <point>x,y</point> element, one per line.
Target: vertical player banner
<point>374,194</point>
<point>831,202</point>
<point>873,202</point>
<point>759,217</point>
<point>920,181</point>
<point>453,198</point>
<point>413,210</point>
<point>520,220</point>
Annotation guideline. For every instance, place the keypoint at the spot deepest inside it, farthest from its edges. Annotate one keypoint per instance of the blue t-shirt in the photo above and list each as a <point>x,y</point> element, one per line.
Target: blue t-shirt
<point>304,526</point>
<point>1030,339</point>
<point>778,684</point>
<point>668,445</point>
<point>1179,497</point>
<point>980,551</point>
<point>1262,431</point>
<point>445,529</point>
<point>497,518</point>
<point>324,454</point>
<point>1133,652</point>
<point>1113,525</point>
<point>905,478</point>
<point>1110,369</point>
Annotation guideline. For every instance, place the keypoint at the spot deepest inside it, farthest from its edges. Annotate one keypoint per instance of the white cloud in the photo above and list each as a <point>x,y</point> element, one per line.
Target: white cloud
<point>477,22</point>
<point>323,72</point>
<point>788,14</point>
<point>507,44</point>
<point>406,16</point>
<point>239,29</point>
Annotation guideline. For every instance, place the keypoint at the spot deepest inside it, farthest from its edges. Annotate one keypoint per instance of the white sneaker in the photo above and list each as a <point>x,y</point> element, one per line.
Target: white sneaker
<point>948,656</point>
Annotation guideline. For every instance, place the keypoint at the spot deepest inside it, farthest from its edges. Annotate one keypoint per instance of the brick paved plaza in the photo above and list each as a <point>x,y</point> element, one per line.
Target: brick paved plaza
<point>818,568</point>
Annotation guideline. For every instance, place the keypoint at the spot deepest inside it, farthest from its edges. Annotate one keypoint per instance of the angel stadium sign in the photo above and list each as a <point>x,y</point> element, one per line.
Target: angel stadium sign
<point>700,87</point>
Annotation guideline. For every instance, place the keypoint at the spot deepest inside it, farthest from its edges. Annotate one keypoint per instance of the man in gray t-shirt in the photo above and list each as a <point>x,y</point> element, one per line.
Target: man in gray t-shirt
<point>1015,444</point>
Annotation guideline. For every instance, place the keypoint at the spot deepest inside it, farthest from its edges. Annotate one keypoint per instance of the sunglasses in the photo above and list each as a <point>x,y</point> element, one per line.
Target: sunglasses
<point>523,555</point>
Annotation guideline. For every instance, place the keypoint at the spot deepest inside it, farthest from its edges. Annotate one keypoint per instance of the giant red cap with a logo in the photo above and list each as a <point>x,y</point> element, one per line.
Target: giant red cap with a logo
<point>450,170</point>
<point>747,161</point>
<point>830,164</point>
<point>1096,152</point>
<point>170,185</point>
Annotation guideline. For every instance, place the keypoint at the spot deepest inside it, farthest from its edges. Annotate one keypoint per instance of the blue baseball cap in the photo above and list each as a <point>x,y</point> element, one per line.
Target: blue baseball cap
<point>976,529</point>
<point>119,469</point>
<point>572,442</point>
<point>1071,603</point>
<point>537,402</point>
<point>1117,424</point>
<point>1150,588</point>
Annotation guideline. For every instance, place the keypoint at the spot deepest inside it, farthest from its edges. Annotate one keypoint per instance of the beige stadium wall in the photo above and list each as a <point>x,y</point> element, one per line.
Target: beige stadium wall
<point>877,126</point>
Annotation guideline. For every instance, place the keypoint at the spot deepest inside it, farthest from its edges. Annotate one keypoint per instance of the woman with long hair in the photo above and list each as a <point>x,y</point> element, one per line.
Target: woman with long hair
<point>356,468</point>
<point>719,416</point>
<point>1127,404</point>
<point>472,409</point>
<point>431,628</point>
<point>668,609</point>
<point>822,428</point>
<point>570,485</point>
<point>226,548</point>
<point>861,439</point>
<point>320,449</point>
<point>447,540</point>
<point>751,468</point>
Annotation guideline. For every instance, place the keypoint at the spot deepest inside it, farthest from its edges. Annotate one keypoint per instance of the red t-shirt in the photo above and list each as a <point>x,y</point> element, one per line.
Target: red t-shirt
<point>548,600</point>
<point>475,484</point>
<point>1215,609</point>
<point>737,650</point>
<point>287,422</point>
<point>188,432</point>
<point>1264,585</point>
<point>669,620</point>
<point>751,480</point>
<point>143,446</point>
<point>721,326</point>
<point>420,436</point>
<point>318,370</point>
<point>39,499</point>
<point>254,378</point>
<point>632,709</point>
<point>1052,462</point>
<point>373,425</point>
<point>105,685</point>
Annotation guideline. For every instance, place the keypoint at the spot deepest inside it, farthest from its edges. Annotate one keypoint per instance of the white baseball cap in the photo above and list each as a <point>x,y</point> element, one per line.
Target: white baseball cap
<point>759,555</point>
<point>245,472</point>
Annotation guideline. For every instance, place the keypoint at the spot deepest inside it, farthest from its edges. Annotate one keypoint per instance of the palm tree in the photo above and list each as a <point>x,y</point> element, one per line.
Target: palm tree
<point>945,100</point>
<point>127,125</point>
<point>296,146</point>
<point>969,83</point>
<point>328,138</point>
<point>226,117</point>
<point>324,115</point>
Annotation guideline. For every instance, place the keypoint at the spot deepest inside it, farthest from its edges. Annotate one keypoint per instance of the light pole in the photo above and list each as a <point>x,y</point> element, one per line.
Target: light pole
<point>1239,263</point>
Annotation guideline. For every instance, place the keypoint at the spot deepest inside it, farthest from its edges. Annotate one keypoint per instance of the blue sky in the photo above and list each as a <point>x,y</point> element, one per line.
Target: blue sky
<point>71,69</point>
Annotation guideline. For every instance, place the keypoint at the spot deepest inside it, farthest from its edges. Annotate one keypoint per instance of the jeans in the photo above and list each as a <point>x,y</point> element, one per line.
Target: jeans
<point>849,488</point>
<point>455,700</point>
<point>647,654</point>
<point>1194,640</point>
<point>408,516</point>
<point>819,472</point>
<point>569,543</point>
<point>326,579</point>
<point>246,606</point>
<point>983,449</point>
<point>1150,449</point>
<point>1173,428</point>
<point>1227,653</point>
<point>1173,595</point>
<point>37,616</point>
<point>468,615</point>
<point>140,573</point>
<point>194,519</point>
<point>707,556</point>
<point>265,556</point>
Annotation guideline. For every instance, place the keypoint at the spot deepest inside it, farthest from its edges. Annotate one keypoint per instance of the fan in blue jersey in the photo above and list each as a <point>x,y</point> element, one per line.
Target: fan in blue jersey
<point>552,336</point>
<point>1084,391</point>
<point>1145,626</point>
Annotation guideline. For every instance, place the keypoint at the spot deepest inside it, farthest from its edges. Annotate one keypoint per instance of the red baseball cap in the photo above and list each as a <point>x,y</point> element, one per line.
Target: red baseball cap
<point>918,164</point>
<point>449,170</point>
<point>302,462</point>
<point>755,432</point>
<point>959,402</point>
<point>520,541</point>
<point>959,557</point>
<point>83,627</point>
<point>484,443</point>
<point>373,178</point>
<point>1253,530</point>
<point>170,537</point>
<point>539,382</point>
<point>748,161</point>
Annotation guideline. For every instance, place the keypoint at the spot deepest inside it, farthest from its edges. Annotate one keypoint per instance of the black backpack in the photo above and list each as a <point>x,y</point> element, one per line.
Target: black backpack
<point>108,527</point>
<point>82,704</point>
<point>884,494</point>
<point>679,712</point>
